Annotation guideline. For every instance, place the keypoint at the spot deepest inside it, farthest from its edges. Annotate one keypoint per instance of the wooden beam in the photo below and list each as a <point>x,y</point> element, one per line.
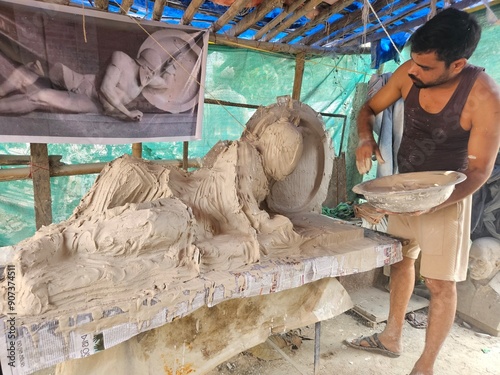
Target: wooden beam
<point>102,4</point>
<point>185,155</point>
<point>40,174</point>
<point>59,2</point>
<point>357,37</point>
<point>272,47</point>
<point>320,18</point>
<point>299,74</point>
<point>253,17</point>
<point>190,11</point>
<point>406,26</point>
<point>158,9</point>
<point>349,22</point>
<point>233,10</point>
<point>309,7</point>
<point>137,150</point>
<point>125,6</point>
<point>280,17</point>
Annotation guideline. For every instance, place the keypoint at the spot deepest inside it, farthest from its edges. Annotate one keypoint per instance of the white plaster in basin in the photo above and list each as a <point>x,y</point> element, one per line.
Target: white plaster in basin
<point>410,192</point>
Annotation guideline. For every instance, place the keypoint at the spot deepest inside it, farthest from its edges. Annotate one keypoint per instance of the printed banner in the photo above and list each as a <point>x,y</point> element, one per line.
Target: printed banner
<point>75,75</point>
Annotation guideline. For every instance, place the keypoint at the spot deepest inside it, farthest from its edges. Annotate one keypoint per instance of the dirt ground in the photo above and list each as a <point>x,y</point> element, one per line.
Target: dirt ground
<point>466,351</point>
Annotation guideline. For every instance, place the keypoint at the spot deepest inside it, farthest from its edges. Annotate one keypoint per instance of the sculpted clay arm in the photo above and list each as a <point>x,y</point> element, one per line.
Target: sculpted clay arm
<point>484,141</point>
<point>386,96</point>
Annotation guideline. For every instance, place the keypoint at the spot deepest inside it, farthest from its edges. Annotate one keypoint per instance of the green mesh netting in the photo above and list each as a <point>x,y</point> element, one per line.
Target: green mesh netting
<point>235,75</point>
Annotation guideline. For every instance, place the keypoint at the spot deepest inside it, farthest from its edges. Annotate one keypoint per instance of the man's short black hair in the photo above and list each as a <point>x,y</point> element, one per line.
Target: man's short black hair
<point>452,34</point>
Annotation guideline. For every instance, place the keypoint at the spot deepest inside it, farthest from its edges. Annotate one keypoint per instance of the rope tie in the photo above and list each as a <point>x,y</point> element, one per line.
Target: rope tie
<point>35,168</point>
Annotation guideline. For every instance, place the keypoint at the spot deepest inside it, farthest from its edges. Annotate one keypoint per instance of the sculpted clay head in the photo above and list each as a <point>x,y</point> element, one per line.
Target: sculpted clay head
<point>281,146</point>
<point>484,258</point>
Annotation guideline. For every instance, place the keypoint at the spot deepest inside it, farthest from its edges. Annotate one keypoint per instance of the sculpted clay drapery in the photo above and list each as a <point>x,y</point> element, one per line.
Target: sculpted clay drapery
<point>143,226</point>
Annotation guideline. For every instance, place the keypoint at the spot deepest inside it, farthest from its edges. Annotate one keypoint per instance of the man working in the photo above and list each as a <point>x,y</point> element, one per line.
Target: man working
<point>451,122</point>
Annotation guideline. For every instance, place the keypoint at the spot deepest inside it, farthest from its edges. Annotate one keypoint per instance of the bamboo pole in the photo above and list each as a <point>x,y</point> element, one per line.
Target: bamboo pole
<point>280,17</point>
<point>26,159</point>
<point>233,10</point>
<point>158,8</point>
<point>190,11</point>
<point>102,4</point>
<point>125,6</point>
<point>24,173</point>
<point>274,47</point>
<point>308,7</point>
<point>319,19</point>
<point>253,17</point>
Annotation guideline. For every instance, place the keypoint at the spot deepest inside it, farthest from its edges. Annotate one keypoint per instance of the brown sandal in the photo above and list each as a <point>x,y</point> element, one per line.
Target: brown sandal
<point>374,345</point>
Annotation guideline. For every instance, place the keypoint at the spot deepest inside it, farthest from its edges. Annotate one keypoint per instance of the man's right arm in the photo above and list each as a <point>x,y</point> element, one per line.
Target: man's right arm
<point>387,95</point>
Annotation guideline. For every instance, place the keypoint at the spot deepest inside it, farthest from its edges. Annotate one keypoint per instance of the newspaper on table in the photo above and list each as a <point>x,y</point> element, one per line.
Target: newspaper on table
<point>27,346</point>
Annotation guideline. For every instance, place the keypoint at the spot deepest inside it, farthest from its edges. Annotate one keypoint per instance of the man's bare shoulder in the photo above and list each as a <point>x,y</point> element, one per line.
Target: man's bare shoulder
<point>483,107</point>
<point>401,79</point>
<point>486,88</point>
<point>396,87</point>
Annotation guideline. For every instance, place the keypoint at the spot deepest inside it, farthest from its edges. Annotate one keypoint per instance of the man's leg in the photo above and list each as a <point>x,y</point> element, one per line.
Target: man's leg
<point>21,78</point>
<point>441,316</point>
<point>402,284</point>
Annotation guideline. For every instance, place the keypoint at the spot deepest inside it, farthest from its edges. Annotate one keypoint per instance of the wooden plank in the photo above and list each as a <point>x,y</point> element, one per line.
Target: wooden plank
<point>40,174</point>
<point>373,303</point>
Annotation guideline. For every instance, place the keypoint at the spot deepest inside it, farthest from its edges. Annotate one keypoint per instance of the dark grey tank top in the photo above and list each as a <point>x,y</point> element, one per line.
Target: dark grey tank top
<point>436,142</point>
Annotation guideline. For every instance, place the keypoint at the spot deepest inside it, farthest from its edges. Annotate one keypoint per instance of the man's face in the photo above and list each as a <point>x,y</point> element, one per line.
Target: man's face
<point>427,71</point>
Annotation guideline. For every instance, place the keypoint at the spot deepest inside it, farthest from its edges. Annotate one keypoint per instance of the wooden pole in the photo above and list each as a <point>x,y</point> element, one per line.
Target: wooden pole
<point>40,174</point>
<point>137,150</point>
<point>299,74</point>
<point>185,154</point>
